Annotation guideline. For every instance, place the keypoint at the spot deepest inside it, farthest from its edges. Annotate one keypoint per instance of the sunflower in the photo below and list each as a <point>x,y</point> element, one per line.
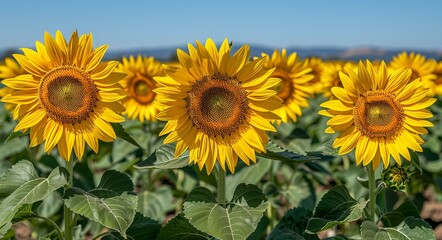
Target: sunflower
<point>216,105</point>
<point>438,81</point>
<point>378,114</point>
<point>9,69</point>
<point>69,96</point>
<point>295,83</point>
<point>420,68</point>
<point>330,76</point>
<point>317,69</point>
<point>139,85</point>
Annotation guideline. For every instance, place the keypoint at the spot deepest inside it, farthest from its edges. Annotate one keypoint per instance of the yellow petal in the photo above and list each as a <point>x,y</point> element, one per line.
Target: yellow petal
<point>91,140</point>
<point>342,95</point>
<point>105,127</point>
<point>336,105</point>
<point>53,50</point>
<point>103,70</point>
<point>261,123</point>
<point>110,116</point>
<point>54,131</point>
<point>22,82</point>
<point>79,146</point>
<point>31,119</point>
<point>97,57</point>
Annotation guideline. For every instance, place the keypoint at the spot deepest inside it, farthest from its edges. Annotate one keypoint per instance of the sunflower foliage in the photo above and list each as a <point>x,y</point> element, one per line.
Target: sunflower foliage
<point>192,176</point>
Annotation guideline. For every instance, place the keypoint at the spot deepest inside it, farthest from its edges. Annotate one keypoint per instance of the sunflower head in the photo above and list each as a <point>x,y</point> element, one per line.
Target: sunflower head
<point>380,115</point>
<point>438,81</point>
<point>217,105</point>
<point>139,84</point>
<point>420,68</point>
<point>67,96</point>
<point>295,85</point>
<point>317,66</point>
<point>9,69</point>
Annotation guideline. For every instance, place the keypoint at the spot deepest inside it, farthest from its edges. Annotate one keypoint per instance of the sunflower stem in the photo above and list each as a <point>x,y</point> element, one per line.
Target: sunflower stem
<point>372,194</point>
<point>271,214</point>
<point>221,186</point>
<point>346,162</point>
<point>68,223</point>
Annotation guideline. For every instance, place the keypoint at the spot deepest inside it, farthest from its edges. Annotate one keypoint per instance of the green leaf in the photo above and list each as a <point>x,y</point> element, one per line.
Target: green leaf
<point>121,133</point>
<point>287,157</point>
<point>179,228</point>
<point>163,158</point>
<point>84,176</point>
<point>156,204</point>
<point>252,174</point>
<point>16,176</point>
<point>30,192</point>
<point>235,221</point>
<point>141,228</point>
<point>50,205</point>
<point>25,211</point>
<point>113,183</point>
<point>116,212</point>
<point>300,193</point>
<point>12,147</point>
<point>369,230</point>
<point>261,230</point>
<point>292,226</point>
<point>112,203</point>
<point>336,207</point>
<point>251,194</point>
<point>395,217</point>
<point>4,229</point>
<point>415,161</point>
<point>201,194</point>
<point>410,229</point>
<point>15,135</point>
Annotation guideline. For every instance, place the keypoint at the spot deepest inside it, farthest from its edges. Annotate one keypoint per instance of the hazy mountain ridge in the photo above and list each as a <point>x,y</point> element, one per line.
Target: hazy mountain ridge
<point>327,53</point>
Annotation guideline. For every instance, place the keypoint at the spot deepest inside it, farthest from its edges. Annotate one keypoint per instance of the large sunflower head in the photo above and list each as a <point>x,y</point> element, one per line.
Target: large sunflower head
<point>9,69</point>
<point>380,115</point>
<point>139,85</point>
<point>420,68</point>
<point>216,105</point>
<point>68,96</point>
<point>295,83</point>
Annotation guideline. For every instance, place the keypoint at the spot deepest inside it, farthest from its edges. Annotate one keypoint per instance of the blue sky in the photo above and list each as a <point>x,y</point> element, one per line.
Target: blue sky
<point>149,24</point>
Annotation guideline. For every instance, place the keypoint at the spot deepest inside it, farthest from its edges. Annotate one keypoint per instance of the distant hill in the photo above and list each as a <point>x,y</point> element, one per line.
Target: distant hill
<point>327,53</point>
<point>355,54</point>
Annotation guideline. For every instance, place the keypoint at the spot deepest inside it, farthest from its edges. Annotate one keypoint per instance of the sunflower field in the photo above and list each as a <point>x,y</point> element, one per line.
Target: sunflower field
<point>219,144</point>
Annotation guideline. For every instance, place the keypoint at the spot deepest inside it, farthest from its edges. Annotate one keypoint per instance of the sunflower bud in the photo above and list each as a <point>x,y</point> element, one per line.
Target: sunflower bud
<point>396,177</point>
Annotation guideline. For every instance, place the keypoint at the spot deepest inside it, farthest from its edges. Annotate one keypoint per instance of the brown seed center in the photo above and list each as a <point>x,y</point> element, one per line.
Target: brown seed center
<point>285,86</point>
<point>141,89</point>
<point>217,104</point>
<point>68,94</point>
<point>378,114</point>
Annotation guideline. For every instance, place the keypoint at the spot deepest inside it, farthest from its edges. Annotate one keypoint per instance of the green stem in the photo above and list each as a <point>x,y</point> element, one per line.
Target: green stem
<point>271,214</point>
<point>53,224</point>
<point>346,162</point>
<point>221,186</point>
<point>68,223</point>
<point>372,194</point>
